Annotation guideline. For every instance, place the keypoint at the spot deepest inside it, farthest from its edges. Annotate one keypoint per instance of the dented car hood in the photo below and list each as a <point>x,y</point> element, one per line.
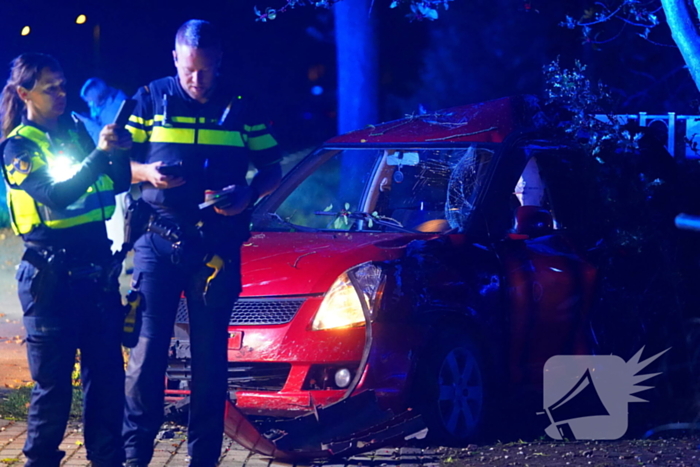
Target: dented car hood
<point>302,263</point>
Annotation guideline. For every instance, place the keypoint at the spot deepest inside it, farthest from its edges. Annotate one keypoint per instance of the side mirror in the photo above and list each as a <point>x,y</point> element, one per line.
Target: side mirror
<point>533,221</point>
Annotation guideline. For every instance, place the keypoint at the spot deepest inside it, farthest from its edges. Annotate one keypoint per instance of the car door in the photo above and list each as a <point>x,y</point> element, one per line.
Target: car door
<point>548,280</point>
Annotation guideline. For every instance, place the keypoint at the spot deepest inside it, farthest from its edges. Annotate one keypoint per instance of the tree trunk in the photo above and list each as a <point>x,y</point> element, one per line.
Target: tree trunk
<point>680,20</point>
<point>357,65</point>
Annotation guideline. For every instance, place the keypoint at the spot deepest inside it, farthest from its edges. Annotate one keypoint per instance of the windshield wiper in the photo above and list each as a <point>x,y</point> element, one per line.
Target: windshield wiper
<point>371,219</point>
<point>276,217</point>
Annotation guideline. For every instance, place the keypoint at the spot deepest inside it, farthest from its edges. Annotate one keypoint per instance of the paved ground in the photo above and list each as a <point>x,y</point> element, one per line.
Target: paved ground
<point>171,451</point>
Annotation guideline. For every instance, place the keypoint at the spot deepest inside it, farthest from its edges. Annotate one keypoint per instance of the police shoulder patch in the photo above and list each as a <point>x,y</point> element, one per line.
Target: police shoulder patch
<point>22,162</point>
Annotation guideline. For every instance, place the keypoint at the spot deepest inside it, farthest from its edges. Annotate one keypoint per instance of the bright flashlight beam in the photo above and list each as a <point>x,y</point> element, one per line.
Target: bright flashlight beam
<point>81,19</point>
<point>26,30</point>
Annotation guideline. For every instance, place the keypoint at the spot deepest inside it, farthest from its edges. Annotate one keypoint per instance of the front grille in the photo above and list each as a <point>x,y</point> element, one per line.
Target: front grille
<point>259,376</point>
<point>253,311</point>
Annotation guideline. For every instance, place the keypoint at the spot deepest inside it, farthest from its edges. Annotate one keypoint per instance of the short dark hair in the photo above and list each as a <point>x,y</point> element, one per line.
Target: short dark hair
<point>93,83</point>
<point>198,34</point>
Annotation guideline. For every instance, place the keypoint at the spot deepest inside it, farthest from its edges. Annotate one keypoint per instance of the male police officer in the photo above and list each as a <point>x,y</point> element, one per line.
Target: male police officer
<point>191,134</point>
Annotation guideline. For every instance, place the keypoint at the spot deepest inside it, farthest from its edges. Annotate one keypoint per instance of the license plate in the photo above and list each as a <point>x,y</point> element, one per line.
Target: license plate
<point>235,340</point>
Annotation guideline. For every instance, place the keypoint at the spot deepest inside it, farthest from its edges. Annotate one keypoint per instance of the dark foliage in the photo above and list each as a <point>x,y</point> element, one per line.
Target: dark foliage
<point>647,269</point>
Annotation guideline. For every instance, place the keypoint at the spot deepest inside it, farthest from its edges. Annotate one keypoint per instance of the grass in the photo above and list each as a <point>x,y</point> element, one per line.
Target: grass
<point>15,403</point>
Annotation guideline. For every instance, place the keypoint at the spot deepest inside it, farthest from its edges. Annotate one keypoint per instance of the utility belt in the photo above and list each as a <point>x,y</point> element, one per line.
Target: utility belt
<point>57,268</point>
<point>177,235</point>
<point>172,231</point>
<point>212,263</point>
<point>141,218</point>
<point>59,262</point>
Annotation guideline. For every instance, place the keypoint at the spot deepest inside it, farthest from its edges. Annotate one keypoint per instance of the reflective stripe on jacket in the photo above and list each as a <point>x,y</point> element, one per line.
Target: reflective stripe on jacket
<point>96,204</point>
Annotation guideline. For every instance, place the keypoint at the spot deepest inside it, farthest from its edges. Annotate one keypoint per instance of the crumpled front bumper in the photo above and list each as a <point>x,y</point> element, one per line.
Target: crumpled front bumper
<point>355,424</point>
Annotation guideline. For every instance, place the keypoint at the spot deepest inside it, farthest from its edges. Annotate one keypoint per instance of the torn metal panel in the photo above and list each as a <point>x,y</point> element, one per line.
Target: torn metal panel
<point>348,427</point>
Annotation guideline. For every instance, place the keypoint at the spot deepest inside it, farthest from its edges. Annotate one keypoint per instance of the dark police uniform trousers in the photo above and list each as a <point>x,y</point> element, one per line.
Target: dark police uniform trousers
<point>161,282</point>
<point>76,316</point>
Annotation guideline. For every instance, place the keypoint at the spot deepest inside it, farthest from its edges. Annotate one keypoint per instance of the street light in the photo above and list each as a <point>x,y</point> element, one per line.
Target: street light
<point>81,19</point>
<point>26,30</point>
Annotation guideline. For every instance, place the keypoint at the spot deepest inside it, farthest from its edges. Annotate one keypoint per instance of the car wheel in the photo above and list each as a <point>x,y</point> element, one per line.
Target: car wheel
<point>454,391</point>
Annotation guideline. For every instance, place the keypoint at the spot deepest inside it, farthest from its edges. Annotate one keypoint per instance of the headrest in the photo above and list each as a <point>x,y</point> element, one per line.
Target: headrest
<point>533,221</point>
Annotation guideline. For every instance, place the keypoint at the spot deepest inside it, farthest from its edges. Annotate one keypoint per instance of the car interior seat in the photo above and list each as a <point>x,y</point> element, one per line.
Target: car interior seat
<point>420,220</point>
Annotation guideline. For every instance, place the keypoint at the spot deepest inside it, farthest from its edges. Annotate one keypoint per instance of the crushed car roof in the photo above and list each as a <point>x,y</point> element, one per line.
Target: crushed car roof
<point>485,122</point>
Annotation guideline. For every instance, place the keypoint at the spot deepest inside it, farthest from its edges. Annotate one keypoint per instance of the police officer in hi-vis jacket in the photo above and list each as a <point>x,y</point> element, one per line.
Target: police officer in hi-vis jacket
<point>60,192</point>
<point>193,135</point>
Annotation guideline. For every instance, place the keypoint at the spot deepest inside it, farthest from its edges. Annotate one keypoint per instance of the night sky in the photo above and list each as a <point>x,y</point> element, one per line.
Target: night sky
<point>478,50</point>
<point>136,39</point>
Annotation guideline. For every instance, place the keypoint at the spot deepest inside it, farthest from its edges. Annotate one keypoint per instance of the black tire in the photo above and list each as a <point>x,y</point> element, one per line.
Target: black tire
<point>454,391</point>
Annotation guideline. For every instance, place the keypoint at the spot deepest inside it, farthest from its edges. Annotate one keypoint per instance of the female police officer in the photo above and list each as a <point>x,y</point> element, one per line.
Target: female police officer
<point>60,192</point>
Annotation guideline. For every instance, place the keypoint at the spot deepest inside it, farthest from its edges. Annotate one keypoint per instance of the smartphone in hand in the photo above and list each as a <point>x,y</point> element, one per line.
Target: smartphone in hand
<point>218,198</point>
<point>125,110</point>
<point>174,170</point>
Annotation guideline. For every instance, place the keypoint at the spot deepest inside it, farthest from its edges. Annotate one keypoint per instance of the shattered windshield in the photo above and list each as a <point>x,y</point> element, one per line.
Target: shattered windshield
<point>380,190</point>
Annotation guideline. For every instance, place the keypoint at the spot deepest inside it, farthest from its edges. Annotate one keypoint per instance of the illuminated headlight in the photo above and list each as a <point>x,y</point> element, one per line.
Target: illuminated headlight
<point>62,168</point>
<point>342,305</point>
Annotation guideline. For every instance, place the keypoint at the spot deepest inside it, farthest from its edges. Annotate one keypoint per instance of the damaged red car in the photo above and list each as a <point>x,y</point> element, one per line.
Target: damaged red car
<point>404,277</point>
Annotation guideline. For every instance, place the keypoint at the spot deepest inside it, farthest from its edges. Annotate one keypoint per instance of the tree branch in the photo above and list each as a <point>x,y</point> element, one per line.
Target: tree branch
<point>684,34</point>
